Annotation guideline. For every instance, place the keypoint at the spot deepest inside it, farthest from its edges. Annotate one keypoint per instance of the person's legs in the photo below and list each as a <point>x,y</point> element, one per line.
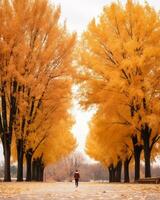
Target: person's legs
<point>76,182</point>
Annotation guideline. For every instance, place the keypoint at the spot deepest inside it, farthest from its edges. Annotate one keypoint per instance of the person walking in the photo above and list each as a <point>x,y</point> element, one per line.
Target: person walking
<point>76,177</point>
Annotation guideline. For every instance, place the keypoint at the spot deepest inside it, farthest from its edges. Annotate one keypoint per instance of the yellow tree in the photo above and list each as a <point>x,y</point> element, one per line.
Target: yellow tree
<point>119,57</point>
<point>43,127</point>
<point>36,56</point>
<point>59,143</point>
<point>110,144</point>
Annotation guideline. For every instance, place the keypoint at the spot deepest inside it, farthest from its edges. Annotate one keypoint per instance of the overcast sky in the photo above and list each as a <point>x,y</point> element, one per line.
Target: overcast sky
<point>79,12</point>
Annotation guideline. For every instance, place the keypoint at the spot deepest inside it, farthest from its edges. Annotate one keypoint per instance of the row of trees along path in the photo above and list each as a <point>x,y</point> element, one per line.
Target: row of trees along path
<point>35,86</point>
<point>118,74</point>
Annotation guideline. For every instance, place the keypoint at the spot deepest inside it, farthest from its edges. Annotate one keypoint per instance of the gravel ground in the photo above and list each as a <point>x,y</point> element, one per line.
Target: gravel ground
<point>86,191</point>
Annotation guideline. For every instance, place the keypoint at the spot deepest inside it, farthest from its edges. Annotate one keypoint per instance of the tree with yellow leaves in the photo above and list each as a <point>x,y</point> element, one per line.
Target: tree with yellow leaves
<point>119,60</point>
<point>35,73</point>
<point>59,143</point>
<point>111,145</point>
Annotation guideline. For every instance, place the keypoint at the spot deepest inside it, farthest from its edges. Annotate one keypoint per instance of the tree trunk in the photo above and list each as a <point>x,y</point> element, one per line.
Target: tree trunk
<point>111,173</point>
<point>147,158</point>
<point>41,171</point>
<point>146,133</point>
<point>6,135</point>
<point>20,157</point>
<point>118,171</point>
<point>7,155</point>
<point>147,164</point>
<point>29,154</point>
<point>126,171</point>
<point>137,154</point>
<point>34,169</point>
<point>38,169</point>
<point>7,119</point>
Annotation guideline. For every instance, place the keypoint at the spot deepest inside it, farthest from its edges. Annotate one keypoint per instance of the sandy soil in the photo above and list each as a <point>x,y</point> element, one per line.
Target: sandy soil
<point>86,191</point>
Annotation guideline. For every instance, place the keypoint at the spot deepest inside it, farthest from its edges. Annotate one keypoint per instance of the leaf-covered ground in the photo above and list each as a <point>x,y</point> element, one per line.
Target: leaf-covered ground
<point>86,191</point>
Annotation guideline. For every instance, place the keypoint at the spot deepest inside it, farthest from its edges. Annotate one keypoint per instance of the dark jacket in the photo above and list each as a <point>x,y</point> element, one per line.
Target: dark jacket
<point>76,175</point>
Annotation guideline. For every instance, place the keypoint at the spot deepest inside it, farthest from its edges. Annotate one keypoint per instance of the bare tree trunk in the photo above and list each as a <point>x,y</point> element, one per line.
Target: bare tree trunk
<point>147,164</point>
<point>7,155</point>
<point>137,154</point>
<point>34,170</point>
<point>6,125</point>
<point>118,171</point>
<point>126,171</point>
<point>6,138</point>
<point>146,133</point>
<point>42,172</point>
<point>111,173</point>
<point>20,156</point>
<point>29,154</point>
<point>39,169</point>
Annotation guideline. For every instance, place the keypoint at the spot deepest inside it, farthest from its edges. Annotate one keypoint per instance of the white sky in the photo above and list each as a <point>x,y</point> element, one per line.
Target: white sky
<point>78,14</point>
<point>80,129</point>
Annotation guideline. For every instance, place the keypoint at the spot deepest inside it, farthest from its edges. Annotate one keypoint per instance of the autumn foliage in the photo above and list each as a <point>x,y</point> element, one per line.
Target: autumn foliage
<point>35,84</point>
<point>117,68</point>
<point>119,75</point>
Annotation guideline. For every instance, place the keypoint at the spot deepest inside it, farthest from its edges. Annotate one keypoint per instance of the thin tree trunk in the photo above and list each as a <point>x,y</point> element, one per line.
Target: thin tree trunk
<point>38,169</point>
<point>42,172</point>
<point>137,154</point>
<point>118,171</point>
<point>29,154</point>
<point>146,133</point>
<point>34,169</point>
<point>147,159</point>
<point>126,171</point>
<point>111,173</point>
<point>7,155</point>
<point>7,126</point>
<point>20,156</point>
<point>6,136</point>
<point>147,165</point>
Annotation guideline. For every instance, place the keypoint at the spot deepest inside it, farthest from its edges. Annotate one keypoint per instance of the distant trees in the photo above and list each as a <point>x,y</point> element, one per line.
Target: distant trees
<point>64,169</point>
<point>73,162</point>
<point>118,73</point>
<point>35,83</point>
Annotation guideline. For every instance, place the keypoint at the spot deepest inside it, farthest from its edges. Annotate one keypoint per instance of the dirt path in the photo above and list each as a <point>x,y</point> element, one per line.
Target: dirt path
<point>86,191</point>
